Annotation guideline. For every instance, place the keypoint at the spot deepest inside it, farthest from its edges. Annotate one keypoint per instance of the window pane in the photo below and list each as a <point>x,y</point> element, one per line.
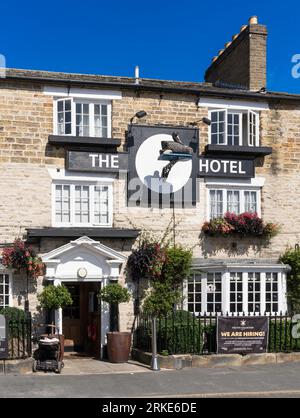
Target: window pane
<point>82,214</point>
<point>233,201</point>
<point>101,206</point>
<point>218,127</point>
<point>101,120</point>
<point>82,119</point>
<point>62,203</point>
<point>216,204</point>
<point>4,290</point>
<point>193,295</point>
<point>233,129</point>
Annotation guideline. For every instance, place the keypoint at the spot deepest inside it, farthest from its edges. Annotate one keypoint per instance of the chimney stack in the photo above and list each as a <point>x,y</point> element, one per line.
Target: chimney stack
<point>243,62</point>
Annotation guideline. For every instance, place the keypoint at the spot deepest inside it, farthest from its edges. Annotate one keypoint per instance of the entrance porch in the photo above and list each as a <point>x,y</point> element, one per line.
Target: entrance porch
<point>84,266</point>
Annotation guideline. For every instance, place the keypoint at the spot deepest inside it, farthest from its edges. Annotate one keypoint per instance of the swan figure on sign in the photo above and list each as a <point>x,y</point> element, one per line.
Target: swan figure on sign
<point>174,151</point>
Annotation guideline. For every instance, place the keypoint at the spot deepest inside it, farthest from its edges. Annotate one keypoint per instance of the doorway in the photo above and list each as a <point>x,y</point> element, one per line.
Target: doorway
<point>82,319</point>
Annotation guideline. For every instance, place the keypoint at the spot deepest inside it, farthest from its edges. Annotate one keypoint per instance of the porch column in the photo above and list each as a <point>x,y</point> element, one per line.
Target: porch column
<point>58,312</point>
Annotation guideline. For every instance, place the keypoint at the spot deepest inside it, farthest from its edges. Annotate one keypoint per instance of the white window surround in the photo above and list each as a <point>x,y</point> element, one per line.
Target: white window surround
<point>91,102</point>
<point>91,184</point>
<point>232,104</point>
<point>90,94</point>
<point>249,132</point>
<point>61,174</point>
<point>225,274</point>
<point>9,274</point>
<point>258,182</point>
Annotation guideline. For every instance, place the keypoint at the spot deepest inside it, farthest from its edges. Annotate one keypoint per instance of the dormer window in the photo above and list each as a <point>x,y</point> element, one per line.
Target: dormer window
<point>234,127</point>
<point>83,118</point>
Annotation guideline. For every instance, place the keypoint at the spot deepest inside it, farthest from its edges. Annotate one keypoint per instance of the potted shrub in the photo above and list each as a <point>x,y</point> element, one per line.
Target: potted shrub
<point>54,297</point>
<point>118,343</point>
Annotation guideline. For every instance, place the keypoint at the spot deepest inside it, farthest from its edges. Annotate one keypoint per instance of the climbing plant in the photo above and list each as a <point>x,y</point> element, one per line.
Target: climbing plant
<point>292,258</point>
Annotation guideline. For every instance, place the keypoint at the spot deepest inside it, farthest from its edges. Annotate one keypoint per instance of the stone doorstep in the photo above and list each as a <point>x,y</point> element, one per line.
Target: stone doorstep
<point>215,360</point>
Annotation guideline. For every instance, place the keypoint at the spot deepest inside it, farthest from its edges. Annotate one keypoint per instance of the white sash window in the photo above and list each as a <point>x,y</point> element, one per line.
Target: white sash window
<point>4,290</point>
<point>81,117</point>
<point>234,127</point>
<point>235,291</point>
<point>82,204</point>
<point>232,200</point>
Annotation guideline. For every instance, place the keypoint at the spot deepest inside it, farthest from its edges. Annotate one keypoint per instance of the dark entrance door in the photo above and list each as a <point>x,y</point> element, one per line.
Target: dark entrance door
<point>71,320</point>
<point>81,320</point>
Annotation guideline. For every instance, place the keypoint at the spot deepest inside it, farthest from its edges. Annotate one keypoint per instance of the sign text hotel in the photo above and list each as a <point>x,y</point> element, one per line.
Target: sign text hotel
<point>219,167</point>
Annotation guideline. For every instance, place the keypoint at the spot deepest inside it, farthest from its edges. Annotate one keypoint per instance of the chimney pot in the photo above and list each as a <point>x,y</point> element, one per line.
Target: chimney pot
<point>253,20</point>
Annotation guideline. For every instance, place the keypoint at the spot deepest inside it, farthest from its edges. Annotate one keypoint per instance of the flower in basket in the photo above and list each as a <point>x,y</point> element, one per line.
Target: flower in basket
<point>21,256</point>
<point>217,226</point>
<point>245,224</point>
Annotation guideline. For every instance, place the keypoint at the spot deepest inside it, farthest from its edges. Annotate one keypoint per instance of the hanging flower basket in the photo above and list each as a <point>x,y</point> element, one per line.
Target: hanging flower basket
<point>147,261</point>
<point>22,257</point>
<point>246,224</point>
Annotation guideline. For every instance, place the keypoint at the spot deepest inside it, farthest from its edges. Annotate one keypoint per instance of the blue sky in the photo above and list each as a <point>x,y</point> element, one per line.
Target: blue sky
<point>172,40</point>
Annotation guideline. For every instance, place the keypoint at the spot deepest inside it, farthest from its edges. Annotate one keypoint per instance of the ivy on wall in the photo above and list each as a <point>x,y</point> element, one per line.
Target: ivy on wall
<point>292,258</point>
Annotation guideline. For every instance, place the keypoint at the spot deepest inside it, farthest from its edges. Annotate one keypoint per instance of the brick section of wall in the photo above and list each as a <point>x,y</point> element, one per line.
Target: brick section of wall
<point>244,62</point>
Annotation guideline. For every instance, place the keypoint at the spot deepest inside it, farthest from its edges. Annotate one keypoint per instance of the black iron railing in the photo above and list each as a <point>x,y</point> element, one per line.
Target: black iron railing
<point>182,332</point>
<point>19,336</point>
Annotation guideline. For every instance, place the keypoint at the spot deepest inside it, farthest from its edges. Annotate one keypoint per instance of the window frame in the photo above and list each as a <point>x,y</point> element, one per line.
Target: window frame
<point>239,112</point>
<point>91,104</point>
<point>225,289</point>
<point>225,189</point>
<point>7,273</point>
<point>91,184</point>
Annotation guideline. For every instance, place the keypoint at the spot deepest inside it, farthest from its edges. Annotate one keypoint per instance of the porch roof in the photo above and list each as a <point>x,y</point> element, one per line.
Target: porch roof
<point>208,264</point>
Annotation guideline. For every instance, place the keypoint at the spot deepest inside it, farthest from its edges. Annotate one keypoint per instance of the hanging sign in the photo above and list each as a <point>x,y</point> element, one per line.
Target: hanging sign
<point>3,337</point>
<point>242,335</point>
<point>219,167</point>
<point>163,165</point>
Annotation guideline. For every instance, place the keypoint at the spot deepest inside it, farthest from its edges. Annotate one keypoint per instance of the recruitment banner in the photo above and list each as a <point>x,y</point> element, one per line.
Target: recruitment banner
<point>3,337</point>
<point>242,335</point>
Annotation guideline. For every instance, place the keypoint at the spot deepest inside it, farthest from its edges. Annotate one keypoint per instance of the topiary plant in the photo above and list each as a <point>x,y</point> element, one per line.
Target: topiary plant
<point>114,294</point>
<point>55,297</point>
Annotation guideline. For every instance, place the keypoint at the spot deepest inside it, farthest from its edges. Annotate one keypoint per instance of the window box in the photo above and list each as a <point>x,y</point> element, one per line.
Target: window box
<point>246,224</point>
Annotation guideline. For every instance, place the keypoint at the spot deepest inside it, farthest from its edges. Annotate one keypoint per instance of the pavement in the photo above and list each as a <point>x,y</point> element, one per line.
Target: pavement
<point>281,380</point>
<point>89,366</point>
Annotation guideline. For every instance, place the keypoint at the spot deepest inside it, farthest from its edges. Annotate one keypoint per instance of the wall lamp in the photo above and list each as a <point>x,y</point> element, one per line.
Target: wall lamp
<point>141,114</point>
<point>204,120</point>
